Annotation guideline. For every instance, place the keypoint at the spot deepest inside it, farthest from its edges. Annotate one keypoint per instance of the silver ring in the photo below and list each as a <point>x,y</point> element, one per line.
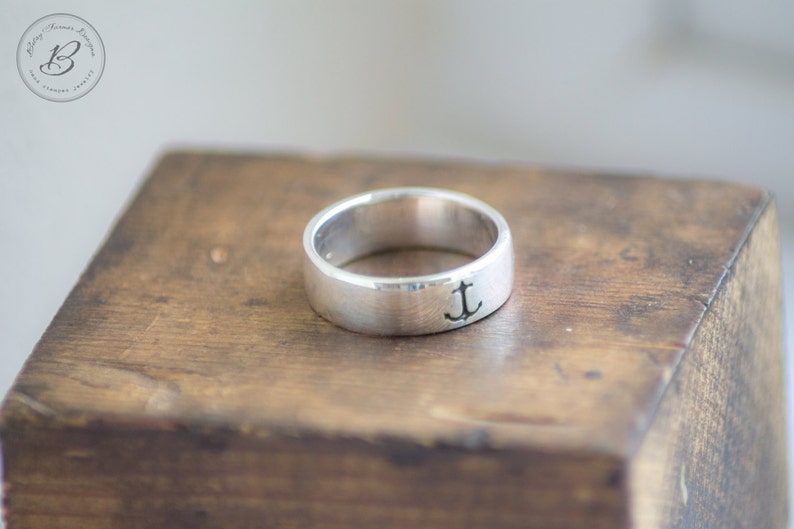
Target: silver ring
<point>407,218</point>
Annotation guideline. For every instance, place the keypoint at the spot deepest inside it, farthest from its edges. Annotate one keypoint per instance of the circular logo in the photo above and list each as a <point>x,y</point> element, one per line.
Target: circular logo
<point>60,57</point>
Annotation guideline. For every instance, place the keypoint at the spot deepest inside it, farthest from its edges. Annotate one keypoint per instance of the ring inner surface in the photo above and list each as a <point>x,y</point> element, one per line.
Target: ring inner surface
<point>405,236</point>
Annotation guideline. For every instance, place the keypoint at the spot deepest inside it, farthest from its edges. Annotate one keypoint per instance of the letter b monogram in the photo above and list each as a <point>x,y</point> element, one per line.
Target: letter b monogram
<point>58,65</point>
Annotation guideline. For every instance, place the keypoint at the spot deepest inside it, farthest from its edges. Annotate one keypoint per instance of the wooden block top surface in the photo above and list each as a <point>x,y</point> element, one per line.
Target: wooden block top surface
<point>193,312</point>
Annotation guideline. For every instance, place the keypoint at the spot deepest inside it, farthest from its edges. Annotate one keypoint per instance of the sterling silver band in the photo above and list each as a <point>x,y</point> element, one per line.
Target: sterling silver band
<point>408,217</point>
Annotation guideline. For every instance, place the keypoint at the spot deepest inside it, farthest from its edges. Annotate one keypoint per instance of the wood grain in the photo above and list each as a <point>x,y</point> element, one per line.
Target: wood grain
<point>714,454</point>
<point>186,382</point>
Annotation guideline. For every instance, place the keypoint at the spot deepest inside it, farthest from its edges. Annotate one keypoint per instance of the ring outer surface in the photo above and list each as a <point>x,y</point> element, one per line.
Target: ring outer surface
<point>411,305</point>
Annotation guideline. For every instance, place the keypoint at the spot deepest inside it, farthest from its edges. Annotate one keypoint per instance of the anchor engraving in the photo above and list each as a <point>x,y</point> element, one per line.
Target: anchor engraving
<point>465,313</point>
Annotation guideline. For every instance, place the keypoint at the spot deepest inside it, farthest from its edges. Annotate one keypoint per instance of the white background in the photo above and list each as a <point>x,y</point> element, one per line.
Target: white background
<point>673,87</point>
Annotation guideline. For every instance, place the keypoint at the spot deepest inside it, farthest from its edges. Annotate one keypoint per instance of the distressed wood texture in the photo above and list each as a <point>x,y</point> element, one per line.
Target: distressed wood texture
<point>632,380</point>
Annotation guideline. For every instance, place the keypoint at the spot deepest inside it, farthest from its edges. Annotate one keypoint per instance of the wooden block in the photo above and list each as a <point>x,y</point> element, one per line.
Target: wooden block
<point>634,378</point>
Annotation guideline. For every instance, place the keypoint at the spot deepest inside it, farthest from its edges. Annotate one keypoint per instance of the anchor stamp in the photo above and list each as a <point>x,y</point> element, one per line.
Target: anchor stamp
<point>465,313</point>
